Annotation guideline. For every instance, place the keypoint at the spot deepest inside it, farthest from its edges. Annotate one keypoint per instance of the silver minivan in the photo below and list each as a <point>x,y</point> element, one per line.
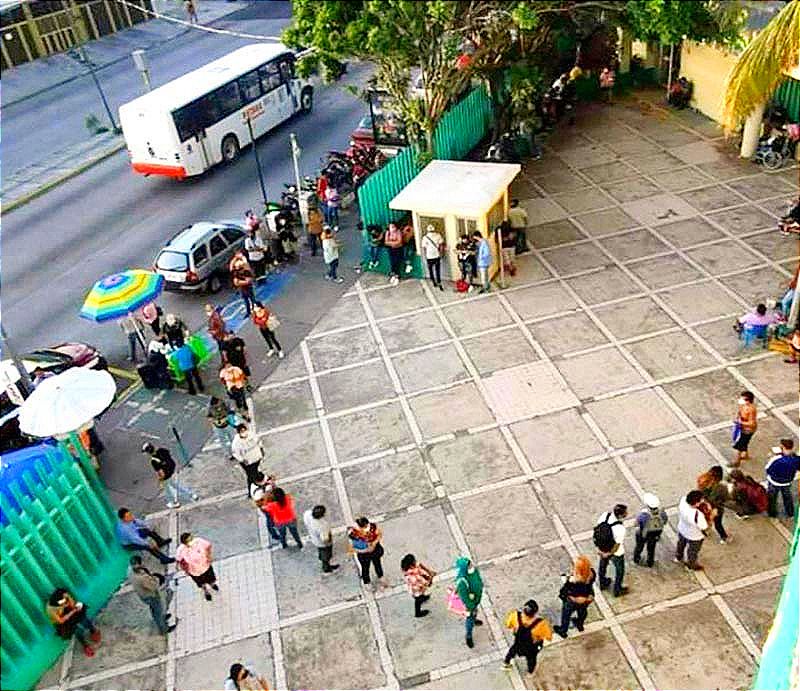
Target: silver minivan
<point>197,257</point>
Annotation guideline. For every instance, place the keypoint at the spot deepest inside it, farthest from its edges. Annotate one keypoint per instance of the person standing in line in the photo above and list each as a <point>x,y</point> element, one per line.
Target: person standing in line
<point>235,383</point>
<point>530,633</point>
<point>134,535</point>
<point>692,527</point>
<point>576,594</point>
<point>365,541</point>
<point>241,678</point>
<point>432,247</point>
<point>747,421</point>
<point>465,251</point>
<point>716,493</point>
<point>234,351</point>
<point>194,557</point>
<point>483,258</point>
<point>418,578</point>
<point>408,247</point>
<point>256,253</point>
<point>609,538</point>
<point>314,230</point>
<point>281,511</point>
<point>191,11</point>
<point>262,318</point>
<point>216,325</point>
<point>219,417</point>
<point>375,243</point>
<point>175,331</point>
<point>781,470</point>
<point>164,465</point>
<point>132,327</point>
<point>330,255</point>
<point>149,586</point>
<point>70,619</point>
<point>242,279</point>
<point>246,448</point>
<point>319,530</point>
<point>650,524</point>
<point>186,362</point>
<point>332,200</point>
<point>260,492</point>
<point>518,219</point>
<point>469,586</point>
<point>393,239</point>
<point>150,314</point>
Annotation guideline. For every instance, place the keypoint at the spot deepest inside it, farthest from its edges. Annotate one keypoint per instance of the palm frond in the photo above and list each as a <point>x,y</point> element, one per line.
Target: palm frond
<point>761,66</point>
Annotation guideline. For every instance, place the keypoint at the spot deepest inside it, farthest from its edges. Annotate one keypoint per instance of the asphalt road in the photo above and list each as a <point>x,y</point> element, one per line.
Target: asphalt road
<point>109,219</point>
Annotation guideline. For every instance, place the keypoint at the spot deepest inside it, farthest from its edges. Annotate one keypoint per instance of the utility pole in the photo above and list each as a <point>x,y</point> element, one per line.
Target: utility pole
<point>258,162</point>
<point>296,151</point>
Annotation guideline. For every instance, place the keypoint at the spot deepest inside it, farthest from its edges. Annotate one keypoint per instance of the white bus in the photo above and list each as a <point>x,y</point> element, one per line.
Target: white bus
<point>200,119</point>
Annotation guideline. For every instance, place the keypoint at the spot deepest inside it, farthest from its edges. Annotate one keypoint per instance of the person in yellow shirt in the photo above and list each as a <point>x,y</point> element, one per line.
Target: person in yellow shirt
<point>530,633</point>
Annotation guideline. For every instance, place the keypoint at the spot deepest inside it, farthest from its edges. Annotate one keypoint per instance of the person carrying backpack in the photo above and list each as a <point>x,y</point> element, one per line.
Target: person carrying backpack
<point>609,538</point>
<point>530,633</point>
<point>649,525</point>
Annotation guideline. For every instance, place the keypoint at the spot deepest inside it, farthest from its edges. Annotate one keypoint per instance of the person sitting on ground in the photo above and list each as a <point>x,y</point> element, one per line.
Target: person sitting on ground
<point>135,535</point>
<point>747,497</point>
<point>70,619</point>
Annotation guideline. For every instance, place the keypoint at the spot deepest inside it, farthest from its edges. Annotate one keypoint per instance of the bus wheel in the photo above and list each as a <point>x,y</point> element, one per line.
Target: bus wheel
<point>230,148</point>
<point>306,100</point>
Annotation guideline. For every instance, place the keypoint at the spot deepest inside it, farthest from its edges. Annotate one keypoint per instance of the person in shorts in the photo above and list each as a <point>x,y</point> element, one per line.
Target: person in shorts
<point>194,557</point>
<point>747,420</point>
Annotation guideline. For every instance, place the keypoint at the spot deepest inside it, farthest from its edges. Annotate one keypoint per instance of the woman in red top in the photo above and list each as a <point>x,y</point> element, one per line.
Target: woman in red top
<point>281,511</point>
<point>261,319</point>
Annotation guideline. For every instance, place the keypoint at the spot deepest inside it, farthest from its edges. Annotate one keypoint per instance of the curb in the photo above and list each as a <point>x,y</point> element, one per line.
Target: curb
<point>63,178</point>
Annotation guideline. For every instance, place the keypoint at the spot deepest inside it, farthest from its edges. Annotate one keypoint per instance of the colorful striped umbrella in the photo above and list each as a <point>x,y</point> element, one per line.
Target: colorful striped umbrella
<point>120,294</point>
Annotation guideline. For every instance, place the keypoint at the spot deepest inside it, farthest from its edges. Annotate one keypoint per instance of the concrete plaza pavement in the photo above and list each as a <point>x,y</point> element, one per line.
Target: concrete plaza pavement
<point>500,426</point>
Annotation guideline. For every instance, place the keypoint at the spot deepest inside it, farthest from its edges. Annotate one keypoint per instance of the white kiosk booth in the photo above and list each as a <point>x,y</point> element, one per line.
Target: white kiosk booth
<point>457,198</point>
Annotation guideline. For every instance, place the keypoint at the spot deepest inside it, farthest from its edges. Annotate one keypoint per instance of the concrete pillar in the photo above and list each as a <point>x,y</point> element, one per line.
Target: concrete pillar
<point>625,50</point>
<point>751,132</point>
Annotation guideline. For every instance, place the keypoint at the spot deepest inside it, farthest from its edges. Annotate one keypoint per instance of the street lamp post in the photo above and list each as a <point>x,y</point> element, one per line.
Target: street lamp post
<point>258,162</point>
<point>140,62</point>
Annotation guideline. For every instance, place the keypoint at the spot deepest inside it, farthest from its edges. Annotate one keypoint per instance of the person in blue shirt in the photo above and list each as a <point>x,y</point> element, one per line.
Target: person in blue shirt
<point>186,362</point>
<point>781,471</point>
<point>135,535</point>
<point>483,260</point>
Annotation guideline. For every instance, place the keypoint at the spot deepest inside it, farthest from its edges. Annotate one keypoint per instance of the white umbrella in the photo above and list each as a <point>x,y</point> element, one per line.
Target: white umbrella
<point>66,402</point>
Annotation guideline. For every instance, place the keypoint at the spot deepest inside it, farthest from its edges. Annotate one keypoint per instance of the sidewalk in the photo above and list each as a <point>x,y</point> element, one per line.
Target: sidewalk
<point>31,78</point>
<point>36,179</point>
<point>500,426</point>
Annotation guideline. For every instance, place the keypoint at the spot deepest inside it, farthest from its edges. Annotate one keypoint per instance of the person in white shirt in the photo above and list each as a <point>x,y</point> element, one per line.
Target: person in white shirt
<point>692,526</point>
<point>610,542</point>
<point>255,246</point>
<point>432,244</point>
<point>246,448</point>
<point>319,532</point>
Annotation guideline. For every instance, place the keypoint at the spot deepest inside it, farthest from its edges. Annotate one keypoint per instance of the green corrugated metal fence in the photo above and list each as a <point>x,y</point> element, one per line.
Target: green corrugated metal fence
<point>788,95</point>
<point>461,128</point>
<point>59,534</point>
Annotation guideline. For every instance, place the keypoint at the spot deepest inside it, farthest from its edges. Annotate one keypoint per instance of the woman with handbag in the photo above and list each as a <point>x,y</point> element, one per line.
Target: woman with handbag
<point>716,493</point>
<point>469,586</point>
<point>576,594</point>
<point>267,322</point>
<point>365,541</point>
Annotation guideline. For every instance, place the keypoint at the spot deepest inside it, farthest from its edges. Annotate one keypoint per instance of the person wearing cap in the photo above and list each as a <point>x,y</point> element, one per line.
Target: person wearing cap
<point>530,633</point>
<point>650,524</point>
<point>166,471</point>
<point>432,246</point>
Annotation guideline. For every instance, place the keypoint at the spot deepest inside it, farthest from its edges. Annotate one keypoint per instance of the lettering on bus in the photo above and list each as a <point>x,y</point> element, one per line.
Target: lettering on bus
<point>252,111</point>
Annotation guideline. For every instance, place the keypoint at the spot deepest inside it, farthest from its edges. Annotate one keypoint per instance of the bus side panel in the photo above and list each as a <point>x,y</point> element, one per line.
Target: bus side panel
<point>152,142</point>
<point>232,124</point>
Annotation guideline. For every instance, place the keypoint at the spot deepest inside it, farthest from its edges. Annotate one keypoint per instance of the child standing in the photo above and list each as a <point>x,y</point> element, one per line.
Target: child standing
<point>418,579</point>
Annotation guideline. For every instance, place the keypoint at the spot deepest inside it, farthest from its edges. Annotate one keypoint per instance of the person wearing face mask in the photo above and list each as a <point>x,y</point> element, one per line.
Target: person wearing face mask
<point>745,426</point>
<point>246,448</point>
<point>241,678</point>
<point>469,586</point>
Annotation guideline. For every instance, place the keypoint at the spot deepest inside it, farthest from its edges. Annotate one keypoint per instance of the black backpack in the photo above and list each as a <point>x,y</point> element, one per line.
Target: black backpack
<point>603,535</point>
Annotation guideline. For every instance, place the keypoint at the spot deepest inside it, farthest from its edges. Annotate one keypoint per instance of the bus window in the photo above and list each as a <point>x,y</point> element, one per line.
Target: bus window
<point>250,86</point>
<point>270,77</point>
<point>188,120</point>
<point>223,102</point>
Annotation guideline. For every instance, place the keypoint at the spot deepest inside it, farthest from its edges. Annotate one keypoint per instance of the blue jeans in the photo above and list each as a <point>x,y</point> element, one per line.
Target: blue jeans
<point>772,497</point>
<point>274,535</point>
<point>375,254</point>
<point>332,215</point>
<point>619,572</point>
<point>332,269</point>
<point>174,488</point>
<point>469,622</point>
<point>157,612</point>
<point>292,529</point>
<point>567,609</point>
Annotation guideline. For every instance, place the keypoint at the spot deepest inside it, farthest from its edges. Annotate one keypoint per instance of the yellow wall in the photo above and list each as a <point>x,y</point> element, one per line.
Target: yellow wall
<point>707,67</point>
